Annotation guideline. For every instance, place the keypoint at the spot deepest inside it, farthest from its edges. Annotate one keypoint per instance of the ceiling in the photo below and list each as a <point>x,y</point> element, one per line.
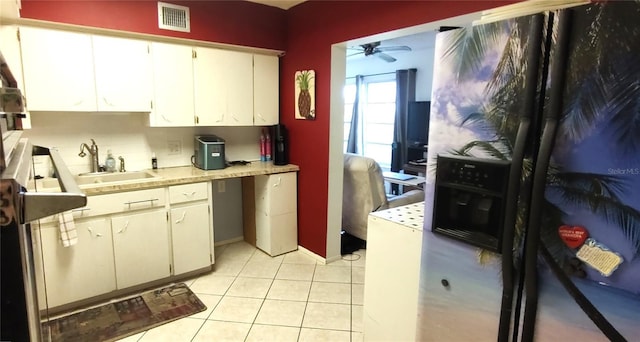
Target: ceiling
<point>284,4</point>
<point>417,42</point>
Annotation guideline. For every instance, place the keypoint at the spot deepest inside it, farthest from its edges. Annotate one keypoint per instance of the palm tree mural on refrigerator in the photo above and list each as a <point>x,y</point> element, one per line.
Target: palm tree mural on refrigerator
<point>601,114</point>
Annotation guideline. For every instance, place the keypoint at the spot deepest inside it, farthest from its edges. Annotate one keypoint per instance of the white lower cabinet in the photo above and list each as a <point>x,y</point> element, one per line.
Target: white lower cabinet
<point>80,271</point>
<point>190,238</point>
<point>125,239</point>
<point>276,213</point>
<point>140,248</point>
<point>191,227</point>
<point>392,277</point>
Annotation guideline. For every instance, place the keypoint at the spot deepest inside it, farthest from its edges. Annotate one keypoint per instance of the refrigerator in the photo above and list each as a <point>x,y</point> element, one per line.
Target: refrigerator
<point>532,199</point>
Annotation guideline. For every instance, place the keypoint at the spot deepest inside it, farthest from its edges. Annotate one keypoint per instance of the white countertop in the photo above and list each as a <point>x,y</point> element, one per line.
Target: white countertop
<point>410,215</point>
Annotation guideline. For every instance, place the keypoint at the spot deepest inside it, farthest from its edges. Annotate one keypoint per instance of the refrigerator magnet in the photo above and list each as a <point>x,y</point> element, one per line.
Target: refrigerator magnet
<point>573,236</point>
<point>599,257</point>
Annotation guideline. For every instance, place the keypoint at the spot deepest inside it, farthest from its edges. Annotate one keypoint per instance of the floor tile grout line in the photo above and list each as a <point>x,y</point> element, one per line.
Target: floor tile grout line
<point>311,282</point>
<point>263,300</point>
<point>221,297</point>
<point>306,303</point>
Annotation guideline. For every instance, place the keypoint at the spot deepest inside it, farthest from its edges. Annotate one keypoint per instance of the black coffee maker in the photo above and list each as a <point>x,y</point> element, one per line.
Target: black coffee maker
<point>280,145</point>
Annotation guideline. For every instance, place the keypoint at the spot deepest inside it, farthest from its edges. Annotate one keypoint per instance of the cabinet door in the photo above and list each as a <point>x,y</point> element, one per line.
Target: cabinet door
<point>173,85</point>
<point>10,47</point>
<point>80,271</point>
<point>276,194</point>
<point>240,83</point>
<point>278,234</point>
<point>190,233</point>
<point>141,247</point>
<point>223,87</point>
<point>276,213</point>
<point>265,90</point>
<point>58,70</point>
<point>210,90</point>
<point>123,74</point>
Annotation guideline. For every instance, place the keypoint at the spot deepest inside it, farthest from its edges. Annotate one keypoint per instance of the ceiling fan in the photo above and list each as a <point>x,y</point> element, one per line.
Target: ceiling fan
<point>379,51</point>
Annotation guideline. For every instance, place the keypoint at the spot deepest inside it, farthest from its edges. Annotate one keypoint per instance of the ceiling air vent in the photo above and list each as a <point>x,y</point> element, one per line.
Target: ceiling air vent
<point>173,17</point>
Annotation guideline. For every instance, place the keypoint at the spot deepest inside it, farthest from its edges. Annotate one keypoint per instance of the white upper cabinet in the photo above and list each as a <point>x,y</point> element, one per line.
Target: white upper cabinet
<point>179,85</point>
<point>10,47</point>
<point>58,70</point>
<point>173,85</point>
<point>70,71</point>
<point>223,87</point>
<point>265,90</point>
<point>123,74</point>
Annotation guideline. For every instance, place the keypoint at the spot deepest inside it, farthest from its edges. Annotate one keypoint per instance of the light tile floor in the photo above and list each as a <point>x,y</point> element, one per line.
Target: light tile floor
<point>251,296</point>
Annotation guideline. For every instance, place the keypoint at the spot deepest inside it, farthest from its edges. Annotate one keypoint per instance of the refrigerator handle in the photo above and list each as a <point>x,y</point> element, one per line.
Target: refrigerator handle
<point>541,162</point>
<point>515,174</point>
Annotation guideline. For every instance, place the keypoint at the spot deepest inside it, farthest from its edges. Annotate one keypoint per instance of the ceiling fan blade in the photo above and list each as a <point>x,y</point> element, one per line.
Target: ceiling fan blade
<point>394,48</point>
<point>385,57</point>
<point>355,54</point>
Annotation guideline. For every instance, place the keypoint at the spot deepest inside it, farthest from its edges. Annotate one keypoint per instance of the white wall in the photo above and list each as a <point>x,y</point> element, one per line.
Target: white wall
<point>420,58</point>
<point>129,135</point>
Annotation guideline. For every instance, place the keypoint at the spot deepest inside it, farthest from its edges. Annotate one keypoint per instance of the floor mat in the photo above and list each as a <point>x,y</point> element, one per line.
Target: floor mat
<point>350,243</point>
<point>126,317</point>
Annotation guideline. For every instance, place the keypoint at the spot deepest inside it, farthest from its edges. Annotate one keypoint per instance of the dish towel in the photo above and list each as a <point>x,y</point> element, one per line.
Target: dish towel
<point>68,234</point>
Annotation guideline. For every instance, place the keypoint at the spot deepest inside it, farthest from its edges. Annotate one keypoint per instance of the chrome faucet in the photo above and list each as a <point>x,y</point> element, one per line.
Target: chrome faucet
<point>121,164</point>
<point>93,151</point>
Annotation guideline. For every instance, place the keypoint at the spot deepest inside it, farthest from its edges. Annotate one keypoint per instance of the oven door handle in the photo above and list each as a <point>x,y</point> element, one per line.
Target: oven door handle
<point>41,204</point>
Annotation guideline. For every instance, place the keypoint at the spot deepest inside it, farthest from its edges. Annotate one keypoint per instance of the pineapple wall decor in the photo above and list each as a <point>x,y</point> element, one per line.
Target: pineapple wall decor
<point>305,94</point>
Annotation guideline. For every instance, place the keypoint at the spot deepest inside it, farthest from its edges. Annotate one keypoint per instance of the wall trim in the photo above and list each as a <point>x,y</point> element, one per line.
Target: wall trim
<point>228,241</point>
<point>315,256</point>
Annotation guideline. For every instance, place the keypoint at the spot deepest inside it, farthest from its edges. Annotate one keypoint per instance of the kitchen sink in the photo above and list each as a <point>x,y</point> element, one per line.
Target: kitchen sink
<point>101,178</point>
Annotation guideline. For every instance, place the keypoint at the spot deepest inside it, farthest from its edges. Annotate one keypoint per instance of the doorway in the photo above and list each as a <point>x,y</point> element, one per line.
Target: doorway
<point>336,126</point>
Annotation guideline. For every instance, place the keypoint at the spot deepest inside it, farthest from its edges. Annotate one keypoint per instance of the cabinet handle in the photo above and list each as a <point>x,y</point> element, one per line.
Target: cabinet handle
<point>184,213</point>
<point>189,195</point>
<point>141,201</point>
<point>107,102</point>
<point>165,118</point>
<point>91,232</point>
<point>221,118</point>
<point>235,118</point>
<point>260,117</point>
<point>278,182</point>
<point>124,228</point>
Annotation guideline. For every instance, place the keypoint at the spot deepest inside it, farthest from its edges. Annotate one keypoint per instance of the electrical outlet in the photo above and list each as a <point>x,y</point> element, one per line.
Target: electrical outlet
<point>175,146</point>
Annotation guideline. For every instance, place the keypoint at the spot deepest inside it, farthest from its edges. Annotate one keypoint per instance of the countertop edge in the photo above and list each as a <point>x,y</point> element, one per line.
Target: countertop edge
<point>185,175</point>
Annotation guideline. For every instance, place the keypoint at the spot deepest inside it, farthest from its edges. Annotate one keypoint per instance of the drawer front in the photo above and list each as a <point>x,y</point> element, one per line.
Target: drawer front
<point>90,210</point>
<point>188,192</point>
<point>133,200</point>
<point>116,203</point>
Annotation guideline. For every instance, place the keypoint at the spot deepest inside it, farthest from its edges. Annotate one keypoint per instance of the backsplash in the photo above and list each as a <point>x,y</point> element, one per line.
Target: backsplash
<point>129,135</point>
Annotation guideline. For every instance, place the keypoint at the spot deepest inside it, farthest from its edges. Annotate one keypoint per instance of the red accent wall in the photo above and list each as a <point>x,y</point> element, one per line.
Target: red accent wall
<point>232,22</point>
<point>312,27</point>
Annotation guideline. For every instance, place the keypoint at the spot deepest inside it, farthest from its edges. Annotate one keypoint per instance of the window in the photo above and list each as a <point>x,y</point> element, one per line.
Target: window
<point>378,110</point>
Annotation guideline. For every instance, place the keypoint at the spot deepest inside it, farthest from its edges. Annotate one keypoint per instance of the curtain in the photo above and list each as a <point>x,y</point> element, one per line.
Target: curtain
<point>405,93</point>
<point>352,142</point>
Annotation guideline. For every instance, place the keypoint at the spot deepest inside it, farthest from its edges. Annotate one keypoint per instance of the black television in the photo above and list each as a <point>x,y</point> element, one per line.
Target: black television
<point>418,123</point>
